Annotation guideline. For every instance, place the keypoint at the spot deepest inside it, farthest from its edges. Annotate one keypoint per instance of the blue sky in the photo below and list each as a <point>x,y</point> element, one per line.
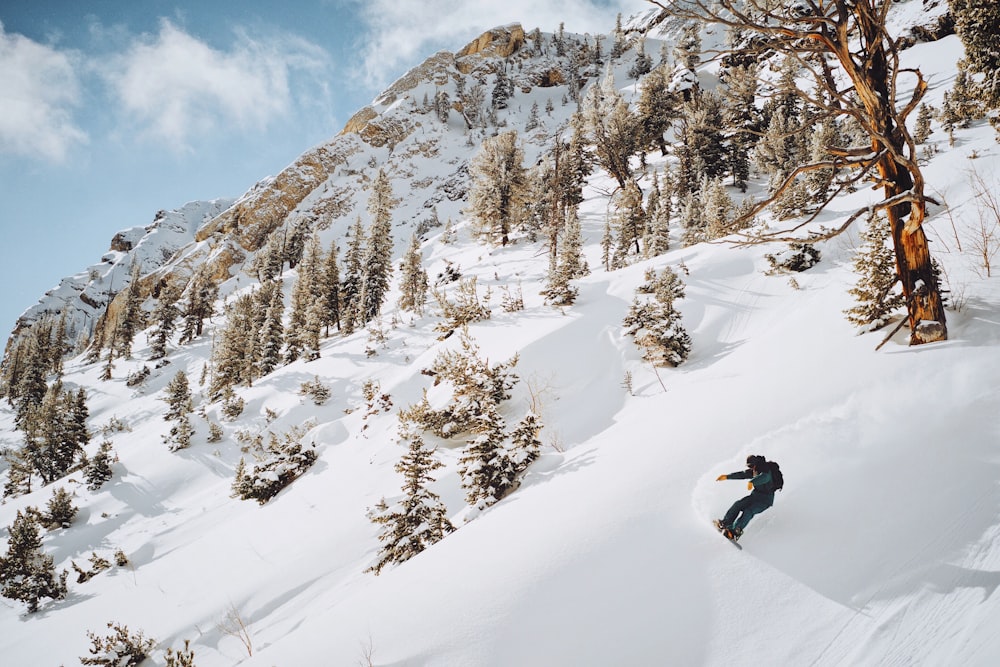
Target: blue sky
<point>112,110</point>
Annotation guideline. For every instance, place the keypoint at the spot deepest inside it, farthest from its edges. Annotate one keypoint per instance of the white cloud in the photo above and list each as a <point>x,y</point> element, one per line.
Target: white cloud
<point>402,33</point>
<point>38,90</point>
<point>178,88</point>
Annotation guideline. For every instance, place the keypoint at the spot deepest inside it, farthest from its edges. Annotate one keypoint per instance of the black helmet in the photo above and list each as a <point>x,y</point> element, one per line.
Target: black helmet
<point>755,461</point>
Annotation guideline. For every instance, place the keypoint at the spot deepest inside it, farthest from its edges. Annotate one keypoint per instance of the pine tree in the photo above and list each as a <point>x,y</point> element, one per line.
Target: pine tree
<point>742,119</point>
<point>655,323</point>
<point>27,574</point>
<point>875,266</point>
<point>201,295</point>
<point>702,151</point>
<point>629,221</point>
<point>486,469</point>
<point>525,445</point>
<point>656,109</point>
<point>305,292</point>
<point>331,289</point>
<point>922,129</point>
<point>532,122</point>
<point>131,318</point>
<point>55,440</point>
<point>503,89</point>
<point>419,519</point>
<point>60,510</point>
<point>618,46</point>
<point>643,62</point>
<point>614,129</point>
<point>442,105</point>
<point>657,239</point>
<point>179,408</point>
<point>30,386</point>
<point>233,352</point>
<point>164,317</point>
<point>377,263</point>
<point>977,23</point>
<point>499,188</point>
<point>718,207</point>
<point>350,287</point>
<point>98,470</point>
<point>570,264</point>
<point>19,472</point>
<point>687,52</point>
<point>476,389</point>
<point>413,279</point>
<point>272,333</point>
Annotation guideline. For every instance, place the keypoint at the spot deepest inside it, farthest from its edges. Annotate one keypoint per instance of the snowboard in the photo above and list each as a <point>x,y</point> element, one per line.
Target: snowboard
<point>718,527</point>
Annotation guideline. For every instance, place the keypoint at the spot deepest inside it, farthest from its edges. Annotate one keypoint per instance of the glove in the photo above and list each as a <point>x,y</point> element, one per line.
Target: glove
<point>721,478</point>
<point>749,486</point>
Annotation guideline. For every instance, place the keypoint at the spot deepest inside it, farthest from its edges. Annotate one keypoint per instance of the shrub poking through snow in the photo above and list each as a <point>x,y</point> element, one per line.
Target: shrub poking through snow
<point>477,388</point>
<point>316,390</point>
<point>278,465</point>
<point>119,648</point>
<point>797,257</point>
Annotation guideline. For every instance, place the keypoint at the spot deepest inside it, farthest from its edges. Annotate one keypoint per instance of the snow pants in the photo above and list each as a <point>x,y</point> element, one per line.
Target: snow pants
<point>750,506</point>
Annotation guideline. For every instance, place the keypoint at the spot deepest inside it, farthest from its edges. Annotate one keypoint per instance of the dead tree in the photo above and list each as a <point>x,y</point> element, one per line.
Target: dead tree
<point>847,48</point>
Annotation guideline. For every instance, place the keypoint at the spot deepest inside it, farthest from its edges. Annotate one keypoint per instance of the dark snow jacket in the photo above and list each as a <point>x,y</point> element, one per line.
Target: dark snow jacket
<point>763,487</point>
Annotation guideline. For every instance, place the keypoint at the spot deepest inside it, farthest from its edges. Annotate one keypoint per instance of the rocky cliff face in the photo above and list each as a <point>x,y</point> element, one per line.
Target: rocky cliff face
<point>325,187</point>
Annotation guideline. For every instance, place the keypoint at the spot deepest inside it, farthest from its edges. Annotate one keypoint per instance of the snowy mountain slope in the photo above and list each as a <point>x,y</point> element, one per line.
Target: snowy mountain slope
<point>85,295</point>
<point>882,549</point>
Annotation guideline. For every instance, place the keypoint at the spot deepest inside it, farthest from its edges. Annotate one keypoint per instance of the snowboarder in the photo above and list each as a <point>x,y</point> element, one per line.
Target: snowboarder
<point>761,497</point>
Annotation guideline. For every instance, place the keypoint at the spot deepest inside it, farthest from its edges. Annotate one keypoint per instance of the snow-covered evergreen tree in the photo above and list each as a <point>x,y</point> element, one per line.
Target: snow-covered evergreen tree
<point>305,292</point>
<point>656,109</point>
<point>413,284</point>
<point>164,317</point>
<point>419,519</point>
<point>476,388</point>
<point>98,469</point>
<point>922,129</point>
<point>613,129</point>
<point>60,510</point>
<point>655,322</point>
<point>272,333</point>
<point>570,264</point>
<point>499,188</point>
<point>131,318</point>
<point>350,286</point>
<point>977,23</point>
<point>377,262</point>
<point>27,574</point>
<point>179,408</point>
<point>200,304</point>
<point>875,265</point>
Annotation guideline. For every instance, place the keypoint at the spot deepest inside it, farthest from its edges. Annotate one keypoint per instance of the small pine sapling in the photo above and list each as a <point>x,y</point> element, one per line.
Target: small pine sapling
<point>98,469</point>
<point>60,510</point>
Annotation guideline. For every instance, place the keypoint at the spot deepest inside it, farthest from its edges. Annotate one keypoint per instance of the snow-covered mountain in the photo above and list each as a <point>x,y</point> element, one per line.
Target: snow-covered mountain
<point>883,548</point>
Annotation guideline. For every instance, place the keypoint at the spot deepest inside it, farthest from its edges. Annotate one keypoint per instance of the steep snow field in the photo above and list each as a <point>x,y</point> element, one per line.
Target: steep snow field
<point>884,547</point>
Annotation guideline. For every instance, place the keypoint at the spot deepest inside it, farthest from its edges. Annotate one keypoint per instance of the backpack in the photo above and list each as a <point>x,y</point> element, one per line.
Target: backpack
<point>777,479</point>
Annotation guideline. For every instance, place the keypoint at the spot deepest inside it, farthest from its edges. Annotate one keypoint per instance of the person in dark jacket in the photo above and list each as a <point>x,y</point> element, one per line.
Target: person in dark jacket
<point>761,497</point>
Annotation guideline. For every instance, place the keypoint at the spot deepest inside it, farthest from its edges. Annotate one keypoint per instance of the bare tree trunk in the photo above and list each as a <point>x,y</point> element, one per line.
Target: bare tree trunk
<point>854,33</point>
